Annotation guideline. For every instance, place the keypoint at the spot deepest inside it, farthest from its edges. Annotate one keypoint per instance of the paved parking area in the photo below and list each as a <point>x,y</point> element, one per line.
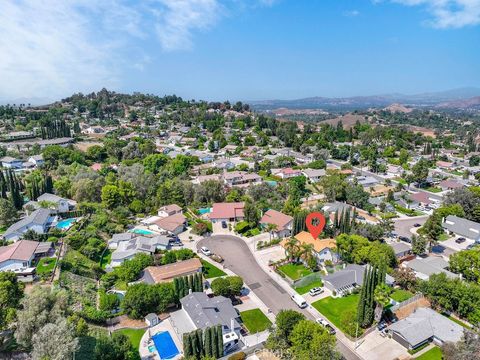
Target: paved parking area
<point>450,243</point>
<point>274,253</point>
<point>376,347</point>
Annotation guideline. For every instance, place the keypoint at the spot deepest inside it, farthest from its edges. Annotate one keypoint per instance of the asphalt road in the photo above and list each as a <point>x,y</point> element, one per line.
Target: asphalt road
<point>403,225</point>
<point>238,258</point>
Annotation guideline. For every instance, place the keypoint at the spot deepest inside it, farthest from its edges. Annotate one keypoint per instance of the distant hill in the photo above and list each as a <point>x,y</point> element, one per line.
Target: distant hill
<point>471,103</point>
<point>430,99</point>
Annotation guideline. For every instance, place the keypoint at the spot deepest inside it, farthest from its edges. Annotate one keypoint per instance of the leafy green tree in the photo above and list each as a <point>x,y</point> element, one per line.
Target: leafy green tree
<point>467,263</point>
<point>8,212</point>
<point>310,340</point>
<point>11,292</point>
<point>419,245</point>
<point>115,347</point>
<point>420,171</point>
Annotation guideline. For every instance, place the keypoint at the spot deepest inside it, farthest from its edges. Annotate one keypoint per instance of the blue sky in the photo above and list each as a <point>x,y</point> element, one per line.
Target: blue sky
<point>238,49</point>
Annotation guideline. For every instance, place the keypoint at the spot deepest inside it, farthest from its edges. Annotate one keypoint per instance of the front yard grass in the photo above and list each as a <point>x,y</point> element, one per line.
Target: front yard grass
<point>432,354</point>
<point>400,295</point>
<point>304,289</point>
<point>105,260</point>
<point>333,308</point>
<point>443,237</point>
<point>45,265</point>
<point>135,336</point>
<point>433,189</point>
<point>294,271</point>
<point>210,270</point>
<point>255,320</point>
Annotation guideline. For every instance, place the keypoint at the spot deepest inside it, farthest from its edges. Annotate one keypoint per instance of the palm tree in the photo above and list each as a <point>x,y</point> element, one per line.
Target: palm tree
<point>382,299</point>
<point>306,253</point>
<point>291,248</point>
<point>271,228</point>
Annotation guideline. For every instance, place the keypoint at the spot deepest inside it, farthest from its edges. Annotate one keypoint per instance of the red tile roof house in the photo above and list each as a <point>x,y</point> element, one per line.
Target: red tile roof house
<point>169,210</point>
<point>174,224</point>
<point>450,185</point>
<point>18,258</point>
<point>420,198</point>
<point>283,222</point>
<point>227,212</point>
<point>288,173</point>
<point>445,165</point>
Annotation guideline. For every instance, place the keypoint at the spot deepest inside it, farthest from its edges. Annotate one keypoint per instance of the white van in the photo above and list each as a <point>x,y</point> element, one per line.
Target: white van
<point>300,301</point>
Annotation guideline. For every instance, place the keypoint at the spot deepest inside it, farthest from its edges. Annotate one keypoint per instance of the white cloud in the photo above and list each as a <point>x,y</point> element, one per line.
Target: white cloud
<point>351,13</point>
<point>449,13</point>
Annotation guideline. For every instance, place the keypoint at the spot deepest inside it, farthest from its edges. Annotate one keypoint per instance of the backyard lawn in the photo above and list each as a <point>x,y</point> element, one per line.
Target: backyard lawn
<point>432,354</point>
<point>433,189</point>
<point>135,336</point>
<point>210,270</point>
<point>45,265</point>
<point>333,308</point>
<point>304,289</point>
<point>400,295</point>
<point>255,320</point>
<point>294,271</point>
<point>105,260</point>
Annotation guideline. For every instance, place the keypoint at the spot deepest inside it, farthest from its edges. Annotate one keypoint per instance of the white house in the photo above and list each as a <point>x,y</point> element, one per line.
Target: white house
<point>9,162</point>
<point>61,205</point>
<point>283,223</point>
<point>37,160</point>
<point>169,210</point>
<point>314,175</point>
<point>39,221</point>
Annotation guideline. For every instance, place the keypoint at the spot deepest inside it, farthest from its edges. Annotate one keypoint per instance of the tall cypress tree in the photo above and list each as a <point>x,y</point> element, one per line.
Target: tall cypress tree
<point>199,335</point>
<point>187,345</point>
<point>219,340</point>
<point>207,344</point>
<point>190,283</point>
<point>195,345</point>
<point>362,300</point>
<point>214,347</point>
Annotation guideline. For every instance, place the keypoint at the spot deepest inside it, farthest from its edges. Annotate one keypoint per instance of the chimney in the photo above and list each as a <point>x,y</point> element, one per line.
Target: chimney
<point>232,324</point>
<point>189,291</point>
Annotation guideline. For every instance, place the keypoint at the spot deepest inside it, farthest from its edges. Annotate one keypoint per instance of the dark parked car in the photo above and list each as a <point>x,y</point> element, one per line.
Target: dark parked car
<point>330,329</point>
<point>224,224</point>
<point>460,240</point>
<point>381,325</point>
<point>417,225</point>
<point>404,238</point>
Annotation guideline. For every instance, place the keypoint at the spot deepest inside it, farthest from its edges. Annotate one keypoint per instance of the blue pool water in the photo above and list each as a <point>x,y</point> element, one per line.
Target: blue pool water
<point>142,232</point>
<point>165,346</point>
<point>271,183</point>
<point>65,224</point>
<point>205,211</point>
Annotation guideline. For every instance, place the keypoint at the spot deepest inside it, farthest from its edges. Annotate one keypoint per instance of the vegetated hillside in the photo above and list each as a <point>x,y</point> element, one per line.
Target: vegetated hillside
<point>471,103</point>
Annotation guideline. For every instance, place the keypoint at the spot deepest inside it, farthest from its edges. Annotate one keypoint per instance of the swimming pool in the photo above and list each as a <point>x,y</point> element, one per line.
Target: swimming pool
<point>271,183</point>
<point>165,346</point>
<point>142,232</point>
<point>65,224</point>
<point>204,211</point>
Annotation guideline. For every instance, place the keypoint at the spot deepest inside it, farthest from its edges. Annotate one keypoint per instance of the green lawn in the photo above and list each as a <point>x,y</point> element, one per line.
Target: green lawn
<point>400,295</point>
<point>304,289</point>
<point>443,237</point>
<point>432,354</point>
<point>105,260</point>
<point>45,265</point>
<point>255,320</point>
<point>333,308</point>
<point>210,270</point>
<point>135,336</point>
<point>294,271</point>
<point>433,189</point>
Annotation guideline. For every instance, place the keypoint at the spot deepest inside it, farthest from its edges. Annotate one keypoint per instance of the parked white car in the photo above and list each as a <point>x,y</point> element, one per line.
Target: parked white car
<point>300,301</point>
<point>316,291</point>
<point>205,251</point>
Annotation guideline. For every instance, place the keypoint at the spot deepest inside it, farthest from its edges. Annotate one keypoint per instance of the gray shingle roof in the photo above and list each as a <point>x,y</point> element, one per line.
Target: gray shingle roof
<point>350,276</point>
<point>205,312</point>
<point>430,266</point>
<point>37,217</point>
<point>462,227</point>
<point>425,323</point>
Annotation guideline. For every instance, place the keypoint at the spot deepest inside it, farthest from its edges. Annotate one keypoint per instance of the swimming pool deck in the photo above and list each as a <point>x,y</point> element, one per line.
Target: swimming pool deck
<point>165,325</point>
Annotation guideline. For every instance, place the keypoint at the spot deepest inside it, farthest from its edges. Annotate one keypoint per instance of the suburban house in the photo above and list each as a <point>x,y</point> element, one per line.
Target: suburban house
<point>200,312</point>
<point>342,282</point>
<point>314,175</point>
<point>366,181</point>
<point>174,224</point>
<point>165,273</point>
<point>18,257</point>
<point>37,160</point>
<point>423,268</point>
<point>227,212</point>
<point>287,173</point>
<point>450,184</point>
<point>462,227</point>
<point>418,199</point>
<point>127,249</point>
<point>446,165</point>
<point>169,210</point>
<point>283,223</point>
<point>425,325</point>
<point>39,221</point>
<point>9,162</point>
<point>61,205</point>
<point>324,249</point>
<point>401,249</point>
<point>118,238</point>
<point>241,178</point>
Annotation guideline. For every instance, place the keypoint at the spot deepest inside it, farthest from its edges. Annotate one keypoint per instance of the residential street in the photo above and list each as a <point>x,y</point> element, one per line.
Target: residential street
<point>403,225</point>
<point>240,260</point>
